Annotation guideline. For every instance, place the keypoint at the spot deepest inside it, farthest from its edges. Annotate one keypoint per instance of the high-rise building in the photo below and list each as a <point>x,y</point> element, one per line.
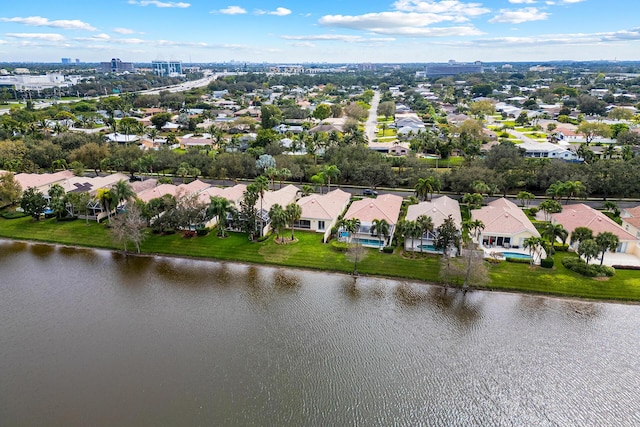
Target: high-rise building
<point>167,68</point>
<point>453,68</point>
<point>116,66</point>
<point>66,61</point>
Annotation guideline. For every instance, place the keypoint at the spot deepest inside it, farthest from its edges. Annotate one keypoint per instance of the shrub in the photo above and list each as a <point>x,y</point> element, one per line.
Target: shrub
<point>388,249</point>
<point>263,238</point>
<point>518,260</point>
<point>13,215</point>
<point>532,211</point>
<point>547,262</point>
<point>559,247</point>
<point>202,231</point>
<point>579,266</point>
<point>339,246</point>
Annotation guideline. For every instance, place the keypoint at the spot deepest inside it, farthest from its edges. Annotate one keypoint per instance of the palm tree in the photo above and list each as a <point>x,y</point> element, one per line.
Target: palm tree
<point>330,172</point>
<point>219,207</point>
<point>262,185</point>
<point>105,197</point>
<point>283,174</point>
<point>380,227</point>
<point>606,241</point>
<point>351,225</point>
<point>306,190</point>
<point>533,244</point>
<point>56,192</point>
<point>552,232</point>
<point>574,189</point>
<point>481,187</point>
<point>556,190</point>
<point>122,192</point>
<point>580,234</point>
<point>278,219</point>
<point>425,225</point>
<point>272,173</point>
<point>474,226</point>
<point>293,212</point>
<point>426,186</point>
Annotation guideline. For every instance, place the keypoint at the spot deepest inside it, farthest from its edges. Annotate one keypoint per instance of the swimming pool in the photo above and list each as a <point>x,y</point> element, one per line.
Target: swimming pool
<point>515,255</point>
<point>427,248</point>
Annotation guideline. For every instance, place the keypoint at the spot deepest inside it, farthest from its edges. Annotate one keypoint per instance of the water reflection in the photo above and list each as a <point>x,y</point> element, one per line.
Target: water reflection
<point>42,251</point>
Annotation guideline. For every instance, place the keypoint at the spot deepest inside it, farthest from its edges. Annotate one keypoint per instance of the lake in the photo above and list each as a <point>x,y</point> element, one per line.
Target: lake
<point>90,338</point>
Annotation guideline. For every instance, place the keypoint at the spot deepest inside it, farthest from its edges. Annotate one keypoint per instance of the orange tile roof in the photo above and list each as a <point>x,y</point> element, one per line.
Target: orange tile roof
<point>581,215</point>
<point>324,206</point>
<point>504,217</point>
<point>386,206</point>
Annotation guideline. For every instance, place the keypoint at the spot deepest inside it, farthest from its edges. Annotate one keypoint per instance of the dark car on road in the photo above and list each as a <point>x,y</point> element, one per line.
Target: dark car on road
<point>370,192</point>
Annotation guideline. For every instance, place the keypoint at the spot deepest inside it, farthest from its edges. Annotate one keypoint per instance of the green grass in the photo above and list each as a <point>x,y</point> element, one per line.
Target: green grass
<point>309,252</point>
<point>445,163</point>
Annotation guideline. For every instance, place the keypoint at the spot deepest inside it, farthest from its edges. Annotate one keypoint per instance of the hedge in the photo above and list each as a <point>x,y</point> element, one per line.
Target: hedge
<point>339,246</point>
<point>547,262</point>
<point>590,270</point>
<point>518,260</point>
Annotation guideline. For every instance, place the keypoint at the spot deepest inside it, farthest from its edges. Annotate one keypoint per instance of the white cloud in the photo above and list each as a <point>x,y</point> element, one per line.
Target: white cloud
<point>121,30</point>
<point>52,37</point>
<point>522,1</point>
<point>280,11</point>
<point>518,16</point>
<point>161,4</point>
<point>338,37</point>
<point>449,7</point>
<point>414,18</point>
<point>38,21</point>
<point>233,10</point>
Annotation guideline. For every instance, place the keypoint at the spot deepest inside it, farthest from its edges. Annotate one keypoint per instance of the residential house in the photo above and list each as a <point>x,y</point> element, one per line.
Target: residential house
<point>438,210</point>
<point>581,215</point>
<point>386,206</point>
<point>282,196</point>
<point>631,220</point>
<point>320,212</point>
<point>186,143</point>
<point>548,150</point>
<point>42,181</point>
<point>505,225</point>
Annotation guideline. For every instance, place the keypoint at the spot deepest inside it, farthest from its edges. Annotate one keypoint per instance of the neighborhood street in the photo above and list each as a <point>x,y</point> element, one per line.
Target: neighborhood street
<point>372,122</point>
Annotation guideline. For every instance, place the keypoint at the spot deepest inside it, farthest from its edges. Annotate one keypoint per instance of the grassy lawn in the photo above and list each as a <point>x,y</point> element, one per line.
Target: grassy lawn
<point>309,252</point>
<point>445,163</point>
<point>386,132</point>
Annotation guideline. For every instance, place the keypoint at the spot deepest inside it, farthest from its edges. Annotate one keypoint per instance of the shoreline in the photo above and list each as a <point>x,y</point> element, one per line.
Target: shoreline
<point>487,289</point>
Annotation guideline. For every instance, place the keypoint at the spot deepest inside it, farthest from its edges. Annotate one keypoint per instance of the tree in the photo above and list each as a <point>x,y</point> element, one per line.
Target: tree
<point>219,207</point>
<point>387,109</point>
<point>522,119</point>
<point>90,155</point>
<point>105,197</point>
<point>525,197</point>
<point>380,228</point>
<point>472,226</point>
<point>293,212</point>
<point>481,109</point>
<point>447,237</point>
<point>588,249</point>
<point>549,207</point>
<point>78,203</point>
<point>56,201</point>
<point>122,192</point>
<point>535,246</point>
<point>556,190</point>
<point>262,185</point>
<point>248,211</point>
<point>574,189</point>
<point>330,172</point>
<point>264,162</point>
<point>553,232</point>
<point>425,225</point>
<point>278,220</point>
<point>592,129</point>
<point>33,202</point>
<point>271,116</point>
<point>272,173</point>
<point>350,225</point>
<point>606,241</point>
<point>322,112</point>
<point>283,173</point>
<point>473,200</point>
<point>160,119</point>
<point>612,207</point>
<point>10,189</point>
<point>581,234</point>
<point>129,227</point>
<point>620,113</point>
<point>425,187</point>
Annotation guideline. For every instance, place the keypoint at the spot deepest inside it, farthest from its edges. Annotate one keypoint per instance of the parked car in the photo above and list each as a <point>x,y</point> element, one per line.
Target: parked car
<point>369,192</point>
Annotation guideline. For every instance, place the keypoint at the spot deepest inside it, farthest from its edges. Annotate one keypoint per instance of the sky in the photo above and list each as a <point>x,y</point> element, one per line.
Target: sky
<point>332,31</point>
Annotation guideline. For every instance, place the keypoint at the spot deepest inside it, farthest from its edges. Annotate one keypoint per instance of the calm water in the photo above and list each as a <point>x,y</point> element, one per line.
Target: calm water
<point>93,338</point>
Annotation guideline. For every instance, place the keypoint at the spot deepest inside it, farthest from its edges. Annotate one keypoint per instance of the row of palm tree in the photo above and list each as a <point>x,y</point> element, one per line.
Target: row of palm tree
<point>282,217</point>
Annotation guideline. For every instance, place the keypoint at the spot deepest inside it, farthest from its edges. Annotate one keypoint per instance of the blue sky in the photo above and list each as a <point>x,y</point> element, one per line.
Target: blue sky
<point>288,31</point>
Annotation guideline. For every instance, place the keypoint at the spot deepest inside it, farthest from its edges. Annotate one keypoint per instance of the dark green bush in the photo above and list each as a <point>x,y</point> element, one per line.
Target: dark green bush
<point>559,247</point>
<point>388,249</point>
<point>547,262</point>
<point>518,260</point>
<point>202,231</point>
<point>339,246</point>
<point>591,270</point>
<point>13,215</point>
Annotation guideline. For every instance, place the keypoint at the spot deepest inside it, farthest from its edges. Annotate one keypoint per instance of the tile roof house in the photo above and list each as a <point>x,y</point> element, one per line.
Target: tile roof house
<point>505,224</point>
<point>631,220</point>
<point>581,215</point>
<point>282,196</point>
<point>386,206</point>
<point>548,150</point>
<point>42,181</point>
<point>438,210</point>
<point>320,212</point>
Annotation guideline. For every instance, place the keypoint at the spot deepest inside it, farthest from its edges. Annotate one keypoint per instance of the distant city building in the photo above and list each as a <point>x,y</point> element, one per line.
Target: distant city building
<point>116,66</point>
<point>77,60</point>
<point>167,68</point>
<point>287,69</point>
<point>453,68</point>
<point>47,81</point>
<point>367,67</point>
<point>66,61</point>
<point>21,71</point>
